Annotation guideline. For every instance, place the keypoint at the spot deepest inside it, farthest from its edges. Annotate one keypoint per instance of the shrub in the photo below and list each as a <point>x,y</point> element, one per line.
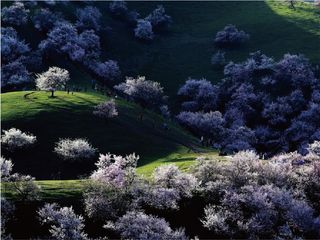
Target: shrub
<point>74,149</point>
<point>108,70</point>
<point>105,202</point>
<point>15,139</point>
<point>314,148</point>
<point>106,109</point>
<point>209,124</point>
<point>11,47</point>
<point>157,197</point>
<point>218,59</point>
<point>261,212</point>
<point>6,167</point>
<point>159,19</point>
<point>44,19</point>
<point>114,170</point>
<point>88,18</point>
<point>65,224</point>
<point>64,38</point>
<point>144,92</point>
<point>144,30</point>
<point>199,95</point>
<point>164,110</point>
<point>231,36</point>
<point>266,105</point>
<point>169,176</point>
<point>138,225</point>
<point>7,210</point>
<point>118,8</point>
<point>24,187</point>
<point>16,14</point>
<point>14,74</point>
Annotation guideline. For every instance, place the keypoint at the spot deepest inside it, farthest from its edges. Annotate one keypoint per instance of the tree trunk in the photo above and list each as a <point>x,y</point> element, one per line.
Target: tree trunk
<point>52,92</point>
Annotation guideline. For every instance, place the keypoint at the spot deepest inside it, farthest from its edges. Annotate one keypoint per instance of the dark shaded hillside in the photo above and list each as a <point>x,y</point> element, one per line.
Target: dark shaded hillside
<point>70,116</point>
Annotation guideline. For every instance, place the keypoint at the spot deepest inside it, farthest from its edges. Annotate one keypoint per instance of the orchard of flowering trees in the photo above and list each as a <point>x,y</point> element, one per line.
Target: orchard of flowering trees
<point>263,104</point>
<point>264,115</point>
<point>244,197</point>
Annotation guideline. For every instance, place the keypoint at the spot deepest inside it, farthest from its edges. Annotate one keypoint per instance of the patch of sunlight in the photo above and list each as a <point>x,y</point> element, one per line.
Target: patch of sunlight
<point>306,14</point>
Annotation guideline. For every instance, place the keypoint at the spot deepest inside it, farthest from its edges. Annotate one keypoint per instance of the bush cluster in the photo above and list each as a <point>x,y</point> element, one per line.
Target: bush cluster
<point>263,104</point>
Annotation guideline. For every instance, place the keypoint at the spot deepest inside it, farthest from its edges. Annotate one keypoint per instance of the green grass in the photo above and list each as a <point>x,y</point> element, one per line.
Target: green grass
<point>305,16</point>
<point>51,189</point>
<point>71,116</point>
<point>64,189</point>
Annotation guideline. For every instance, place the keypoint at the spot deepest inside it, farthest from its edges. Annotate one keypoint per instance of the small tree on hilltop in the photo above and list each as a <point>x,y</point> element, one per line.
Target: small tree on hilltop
<point>52,79</point>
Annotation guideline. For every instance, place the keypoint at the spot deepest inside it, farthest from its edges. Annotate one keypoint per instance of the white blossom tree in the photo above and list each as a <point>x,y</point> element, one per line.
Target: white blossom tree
<point>6,167</point>
<point>116,171</point>
<point>74,149</point>
<point>52,79</point>
<point>314,148</point>
<point>64,223</point>
<point>138,225</point>
<point>24,187</point>
<point>16,139</point>
<point>170,176</point>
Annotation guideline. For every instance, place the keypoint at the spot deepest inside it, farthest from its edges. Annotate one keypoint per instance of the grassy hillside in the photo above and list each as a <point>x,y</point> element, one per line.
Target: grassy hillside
<point>71,116</point>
